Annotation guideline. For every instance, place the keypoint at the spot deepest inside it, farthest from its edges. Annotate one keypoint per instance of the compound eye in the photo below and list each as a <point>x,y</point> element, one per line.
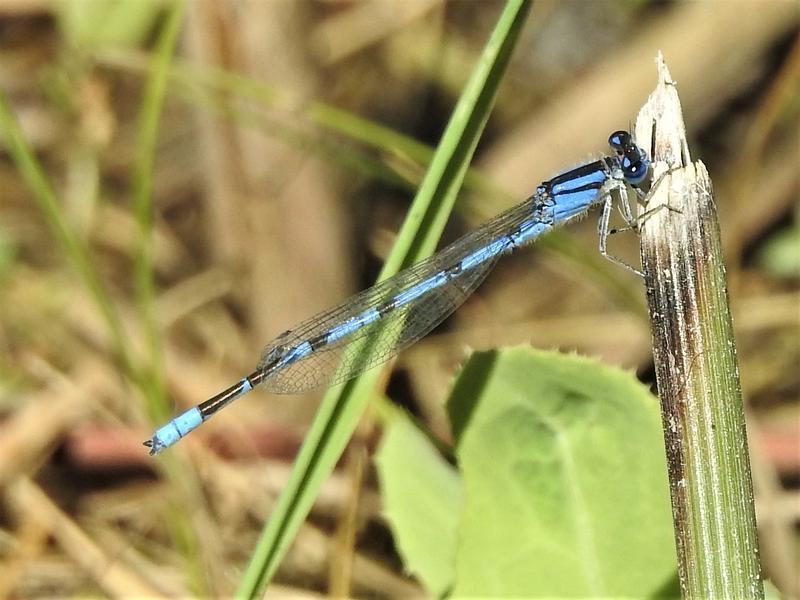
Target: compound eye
<point>620,141</point>
<point>634,166</point>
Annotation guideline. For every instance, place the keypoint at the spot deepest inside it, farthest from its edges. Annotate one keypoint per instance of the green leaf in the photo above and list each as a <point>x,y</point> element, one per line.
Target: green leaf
<point>564,478</point>
<point>343,405</point>
<point>422,499</point>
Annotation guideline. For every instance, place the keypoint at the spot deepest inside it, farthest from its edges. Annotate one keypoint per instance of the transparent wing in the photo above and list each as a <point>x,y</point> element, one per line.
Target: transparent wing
<point>399,327</point>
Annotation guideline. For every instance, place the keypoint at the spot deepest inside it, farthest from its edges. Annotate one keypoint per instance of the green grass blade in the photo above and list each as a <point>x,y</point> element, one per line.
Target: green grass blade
<point>149,117</point>
<point>204,78</point>
<point>343,406</point>
<point>76,251</point>
<point>152,375</point>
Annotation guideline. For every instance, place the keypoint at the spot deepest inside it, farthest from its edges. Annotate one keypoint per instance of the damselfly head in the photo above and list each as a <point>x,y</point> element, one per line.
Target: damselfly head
<point>633,160</point>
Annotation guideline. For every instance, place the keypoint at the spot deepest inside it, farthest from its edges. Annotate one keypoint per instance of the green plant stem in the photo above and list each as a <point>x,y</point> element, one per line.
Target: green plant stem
<point>696,368</point>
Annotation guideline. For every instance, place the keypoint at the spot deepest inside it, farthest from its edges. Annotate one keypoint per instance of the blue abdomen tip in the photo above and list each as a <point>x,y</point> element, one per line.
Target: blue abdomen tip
<point>170,433</point>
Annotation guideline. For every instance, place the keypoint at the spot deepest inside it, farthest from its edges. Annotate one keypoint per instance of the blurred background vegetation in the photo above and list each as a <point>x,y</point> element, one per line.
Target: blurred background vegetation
<point>291,138</point>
